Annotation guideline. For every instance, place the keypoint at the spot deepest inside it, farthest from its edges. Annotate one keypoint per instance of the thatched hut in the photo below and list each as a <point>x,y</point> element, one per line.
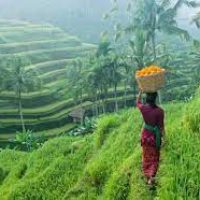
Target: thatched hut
<point>78,115</point>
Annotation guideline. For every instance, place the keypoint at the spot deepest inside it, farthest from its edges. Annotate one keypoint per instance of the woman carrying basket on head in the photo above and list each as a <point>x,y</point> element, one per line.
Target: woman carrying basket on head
<point>152,134</point>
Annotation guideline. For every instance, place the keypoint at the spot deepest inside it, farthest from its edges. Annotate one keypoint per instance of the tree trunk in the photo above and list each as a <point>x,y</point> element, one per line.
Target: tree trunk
<point>96,105</point>
<point>105,97</point>
<point>125,93</point>
<point>116,102</point>
<point>82,117</point>
<point>135,91</point>
<point>99,101</point>
<point>20,112</point>
<point>154,46</point>
<point>103,106</point>
<point>160,97</point>
<point>102,100</point>
<point>154,32</point>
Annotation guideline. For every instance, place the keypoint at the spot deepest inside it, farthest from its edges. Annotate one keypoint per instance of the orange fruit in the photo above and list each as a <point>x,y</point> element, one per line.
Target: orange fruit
<point>146,71</point>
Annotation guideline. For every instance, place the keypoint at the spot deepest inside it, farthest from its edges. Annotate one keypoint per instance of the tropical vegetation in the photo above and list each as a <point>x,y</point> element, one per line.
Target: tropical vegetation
<point>50,80</point>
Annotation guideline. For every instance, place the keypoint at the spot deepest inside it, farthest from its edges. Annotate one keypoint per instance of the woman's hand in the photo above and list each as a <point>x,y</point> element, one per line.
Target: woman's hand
<point>163,142</point>
<point>140,94</point>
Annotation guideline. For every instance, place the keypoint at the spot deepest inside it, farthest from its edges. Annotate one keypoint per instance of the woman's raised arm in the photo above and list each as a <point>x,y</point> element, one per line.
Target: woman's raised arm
<point>138,101</point>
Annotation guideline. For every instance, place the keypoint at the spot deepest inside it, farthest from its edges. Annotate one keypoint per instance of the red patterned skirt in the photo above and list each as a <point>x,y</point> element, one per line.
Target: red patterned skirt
<point>150,155</point>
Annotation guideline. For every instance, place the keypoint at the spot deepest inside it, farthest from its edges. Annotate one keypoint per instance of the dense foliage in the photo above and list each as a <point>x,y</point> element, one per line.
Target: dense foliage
<point>50,79</point>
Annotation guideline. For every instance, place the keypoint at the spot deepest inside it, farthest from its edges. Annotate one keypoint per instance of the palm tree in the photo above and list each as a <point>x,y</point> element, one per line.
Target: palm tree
<point>19,79</point>
<point>127,74</point>
<point>103,48</point>
<point>115,78</point>
<point>139,50</point>
<point>102,81</point>
<point>92,88</point>
<point>152,16</point>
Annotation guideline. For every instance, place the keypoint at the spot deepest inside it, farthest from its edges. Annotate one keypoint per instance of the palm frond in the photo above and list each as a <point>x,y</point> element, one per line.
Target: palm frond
<point>132,44</point>
<point>192,4</point>
<point>178,4</point>
<point>196,20</point>
<point>129,29</point>
<point>129,6</point>
<point>117,36</point>
<point>163,5</point>
<point>167,17</point>
<point>166,3</point>
<point>196,43</point>
<point>176,31</point>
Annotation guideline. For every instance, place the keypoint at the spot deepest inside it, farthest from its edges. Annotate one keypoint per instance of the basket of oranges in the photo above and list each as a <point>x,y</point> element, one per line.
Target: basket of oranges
<point>150,79</point>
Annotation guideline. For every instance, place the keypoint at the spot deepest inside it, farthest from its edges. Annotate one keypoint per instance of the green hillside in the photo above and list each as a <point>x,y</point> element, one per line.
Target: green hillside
<point>106,164</point>
<point>70,128</point>
<point>50,51</point>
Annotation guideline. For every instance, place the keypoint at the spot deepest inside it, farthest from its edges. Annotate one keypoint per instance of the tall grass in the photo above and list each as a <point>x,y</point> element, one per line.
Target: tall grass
<point>107,164</point>
<point>192,114</point>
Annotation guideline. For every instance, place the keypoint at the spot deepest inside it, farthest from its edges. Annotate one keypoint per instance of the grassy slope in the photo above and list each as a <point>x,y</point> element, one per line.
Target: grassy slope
<point>105,165</point>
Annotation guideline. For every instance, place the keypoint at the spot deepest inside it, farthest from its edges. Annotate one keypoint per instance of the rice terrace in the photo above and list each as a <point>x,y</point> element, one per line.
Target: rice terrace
<point>100,100</point>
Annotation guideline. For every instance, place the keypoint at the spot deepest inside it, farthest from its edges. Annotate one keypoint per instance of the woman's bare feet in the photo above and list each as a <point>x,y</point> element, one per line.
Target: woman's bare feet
<point>151,182</point>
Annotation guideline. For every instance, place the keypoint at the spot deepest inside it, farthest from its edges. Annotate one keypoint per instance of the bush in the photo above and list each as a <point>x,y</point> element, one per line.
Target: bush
<point>88,127</point>
<point>28,140</point>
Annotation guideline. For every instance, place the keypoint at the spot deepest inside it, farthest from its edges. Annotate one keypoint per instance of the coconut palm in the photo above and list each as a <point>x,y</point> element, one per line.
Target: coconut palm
<point>153,16</point>
<point>116,76</point>
<point>20,80</point>
<point>101,81</point>
<point>92,88</point>
<point>127,70</point>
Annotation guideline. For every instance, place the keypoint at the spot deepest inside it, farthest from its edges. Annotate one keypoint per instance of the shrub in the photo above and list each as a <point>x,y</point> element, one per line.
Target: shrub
<point>28,140</point>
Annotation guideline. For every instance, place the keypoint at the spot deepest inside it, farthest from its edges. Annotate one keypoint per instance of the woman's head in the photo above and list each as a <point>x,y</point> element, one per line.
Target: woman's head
<point>151,98</point>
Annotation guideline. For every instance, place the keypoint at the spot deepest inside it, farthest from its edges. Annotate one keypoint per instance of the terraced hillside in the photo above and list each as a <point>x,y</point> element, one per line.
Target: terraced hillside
<point>50,51</point>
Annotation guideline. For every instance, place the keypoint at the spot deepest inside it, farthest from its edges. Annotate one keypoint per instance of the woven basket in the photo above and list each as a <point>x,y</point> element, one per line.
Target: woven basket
<point>151,83</point>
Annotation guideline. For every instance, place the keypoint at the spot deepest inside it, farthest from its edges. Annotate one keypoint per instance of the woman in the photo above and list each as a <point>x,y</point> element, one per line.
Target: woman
<point>152,133</point>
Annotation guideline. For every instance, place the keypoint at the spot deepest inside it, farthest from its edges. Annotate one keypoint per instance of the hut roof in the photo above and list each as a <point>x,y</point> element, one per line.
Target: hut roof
<point>78,113</point>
